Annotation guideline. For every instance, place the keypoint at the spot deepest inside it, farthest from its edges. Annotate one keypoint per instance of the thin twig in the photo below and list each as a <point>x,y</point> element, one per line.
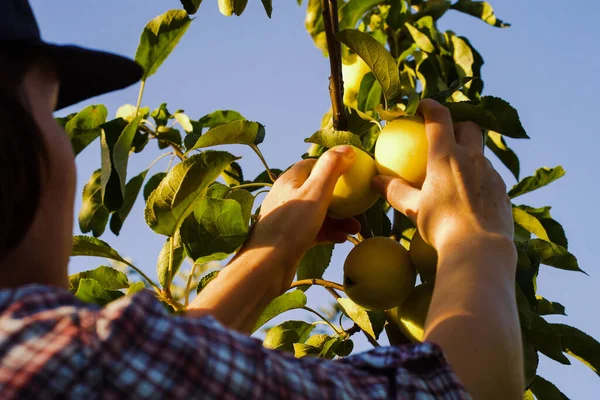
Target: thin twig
<point>139,271</point>
<point>139,100</point>
<point>323,318</point>
<point>188,284</point>
<point>248,185</point>
<point>336,83</point>
<point>262,159</point>
<point>319,282</point>
<point>159,158</point>
<point>352,239</point>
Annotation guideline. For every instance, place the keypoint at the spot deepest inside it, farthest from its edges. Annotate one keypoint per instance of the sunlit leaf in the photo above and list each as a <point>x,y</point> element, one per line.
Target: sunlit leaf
<point>352,11</point>
<point>135,288</point>
<point>371,322</point>
<point>283,336</point>
<point>109,278</point>
<point>369,94</point>
<point>495,142</point>
<point>235,132</point>
<point>92,247</point>
<point>116,141</point>
<point>379,60</point>
<point>480,9</point>
<point>330,138</point>
<point>231,7</point>
<point>529,222</point>
<point>191,6</point>
<point>555,231</point>
<point>547,307</point>
<point>233,174</point>
<point>285,302</point>
<point>580,345</point>
<point>153,183</point>
<point>84,127</point>
<point>542,177</point>
<point>91,291</point>
<point>180,192</point>
<point>421,39</point>
<point>553,255</point>
<point>93,216</point>
<point>167,259</point>
<point>159,38</point>
<point>219,117</point>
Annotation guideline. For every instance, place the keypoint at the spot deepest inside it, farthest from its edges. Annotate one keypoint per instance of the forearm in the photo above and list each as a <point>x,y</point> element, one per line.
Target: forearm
<point>473,317</point>
<point>242,290</point>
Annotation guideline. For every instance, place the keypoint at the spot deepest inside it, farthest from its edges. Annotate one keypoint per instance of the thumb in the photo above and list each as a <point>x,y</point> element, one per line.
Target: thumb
<point>399,194</point>
<point>328,169</point>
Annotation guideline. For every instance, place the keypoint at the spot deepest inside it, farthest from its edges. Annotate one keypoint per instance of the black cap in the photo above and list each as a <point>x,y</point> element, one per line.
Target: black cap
<point>83,73</point>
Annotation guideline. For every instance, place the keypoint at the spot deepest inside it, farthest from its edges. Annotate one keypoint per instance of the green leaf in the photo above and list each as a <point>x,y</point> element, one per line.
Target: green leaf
<point>369,94</point>
<point>506,115</point>
<point>236,132</point>
<point>159,38</point>
<point>167,135</point>
<point>580,345</point>
<point>263,177</point>
<point>545,390</point>
<point>283,336</point>
<point>545,339</point>
<point>84,127</point>
<point>220,117</point>
<point>455,86</point>
<point>379,222</point>
<point>352,11</point>
<point>315,262</point>
<point>268,5</point>
<point>285,302</point>
<point>480,9</point>
<point>314,25</point>
<point>136,288</point>
<point>231,7</point>
<point>325,343</point>
<point>165,275</point>
<point>109,278</point>
<point>93,216</point>
<point>330,138</point>
<point>129,112</point>
<point>530,360</point>
<point>302,350</point>
<point>132,189</point>
<point>116,141</point>
<point>206,279</point>
<point>379,60</point>
<point>555,231</point>
<point>553,255</point>
<point>161,115</point>
<point>421,39</point>
<point>371,322</point>
<point>344,349</point>
<point>429,72</point>
<point>542,177</point>
<point>91,291</point>
<point>233,174</point>
<point>524,309</point>
<point>180,192</point>
<point>528,395</point>
<point>529,222</point>
<point>191,6</point>
<point>153,183</point>
<point>463,56</point>
<point>467,111</point>
<point>359,122</point>
<point>547,307</point>
<point>495,142</point>
<point>92,247</point>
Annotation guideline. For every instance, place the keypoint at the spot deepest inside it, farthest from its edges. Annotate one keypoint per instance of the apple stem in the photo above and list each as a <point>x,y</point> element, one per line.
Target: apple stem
<point>336,82</point>
<point>319,282</point>
<point>352,239</point>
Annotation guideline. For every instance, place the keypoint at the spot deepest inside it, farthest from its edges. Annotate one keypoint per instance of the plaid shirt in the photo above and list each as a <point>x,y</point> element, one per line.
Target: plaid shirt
<point>54,346</point>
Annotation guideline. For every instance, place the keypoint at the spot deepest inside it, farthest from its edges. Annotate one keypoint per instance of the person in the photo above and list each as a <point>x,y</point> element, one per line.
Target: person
<point>54,346</point>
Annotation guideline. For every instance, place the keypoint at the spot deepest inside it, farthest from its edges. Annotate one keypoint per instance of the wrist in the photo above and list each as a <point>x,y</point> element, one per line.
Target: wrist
<point>475,249</point>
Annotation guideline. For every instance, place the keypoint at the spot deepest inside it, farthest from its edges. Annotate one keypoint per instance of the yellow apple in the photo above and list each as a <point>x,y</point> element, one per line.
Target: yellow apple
<point>401,150</point>
<point>411,315</point>
<point>424,257</point>
<point>353,194</point>
<point>353,75</point>
<point>378,274</point>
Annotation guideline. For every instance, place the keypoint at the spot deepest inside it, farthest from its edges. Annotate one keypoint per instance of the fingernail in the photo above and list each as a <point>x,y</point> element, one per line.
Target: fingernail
<point>345,150</point>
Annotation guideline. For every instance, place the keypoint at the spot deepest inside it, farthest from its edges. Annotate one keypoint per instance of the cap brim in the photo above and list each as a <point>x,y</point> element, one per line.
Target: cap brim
<point>85,73</point>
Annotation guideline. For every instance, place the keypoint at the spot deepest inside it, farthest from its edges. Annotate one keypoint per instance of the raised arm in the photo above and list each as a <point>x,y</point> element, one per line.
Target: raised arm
<point>291,220</point>
<point>464,212</point>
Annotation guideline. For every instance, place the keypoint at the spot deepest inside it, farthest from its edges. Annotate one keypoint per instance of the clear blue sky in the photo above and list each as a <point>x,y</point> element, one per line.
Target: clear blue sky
<point>546,65</point>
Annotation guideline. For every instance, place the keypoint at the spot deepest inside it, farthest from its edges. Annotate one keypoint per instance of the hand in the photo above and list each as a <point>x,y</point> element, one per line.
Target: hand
<point>293,215</point>
<point>463,197</point>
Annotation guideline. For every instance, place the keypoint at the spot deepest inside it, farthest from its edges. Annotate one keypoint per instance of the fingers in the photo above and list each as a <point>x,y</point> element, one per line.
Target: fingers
<point>438,127</point>
<point>297,174</point>
<point>470,136</point>
<point>401,195</point>
<point>336,230</point>
<point>326,172</point>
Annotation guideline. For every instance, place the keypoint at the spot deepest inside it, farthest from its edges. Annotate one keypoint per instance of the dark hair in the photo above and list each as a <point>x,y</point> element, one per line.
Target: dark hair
<point>22,150</point>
